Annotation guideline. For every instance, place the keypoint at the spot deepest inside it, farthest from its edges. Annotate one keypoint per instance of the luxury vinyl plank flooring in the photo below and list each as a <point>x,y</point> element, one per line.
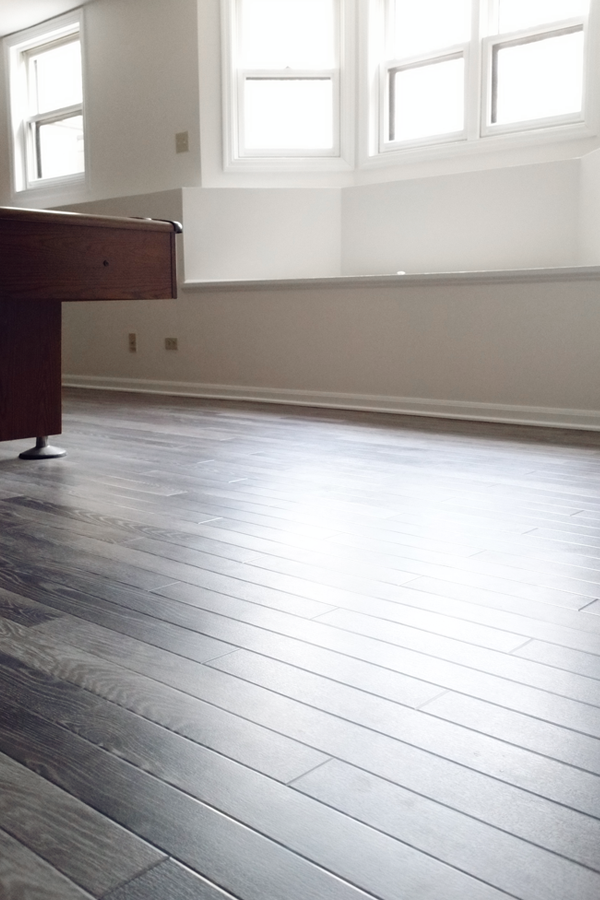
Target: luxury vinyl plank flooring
<point>169,879</point>
<point>518,617</point>
<point>25,876</point>
<point>454,743</point>
<point>39,664</point>
<point>445,834</point>
<point>89,849</point>
<point>335,842</point>
<point>545,738</point>
<point>533,817</point>
<point>257,653</point>
<point>237,858</point>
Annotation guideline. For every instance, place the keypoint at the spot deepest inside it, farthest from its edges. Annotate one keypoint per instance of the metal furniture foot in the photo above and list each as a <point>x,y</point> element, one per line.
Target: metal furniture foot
<point>42,450</point>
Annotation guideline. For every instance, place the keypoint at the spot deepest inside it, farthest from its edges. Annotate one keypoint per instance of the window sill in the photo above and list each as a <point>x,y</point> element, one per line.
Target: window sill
<point>499,140</point>
<point>52,191</point>
<point>421,279</point>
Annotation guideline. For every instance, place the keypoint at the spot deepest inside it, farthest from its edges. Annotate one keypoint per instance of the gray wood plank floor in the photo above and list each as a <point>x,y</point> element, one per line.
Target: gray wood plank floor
<point>268,653</point>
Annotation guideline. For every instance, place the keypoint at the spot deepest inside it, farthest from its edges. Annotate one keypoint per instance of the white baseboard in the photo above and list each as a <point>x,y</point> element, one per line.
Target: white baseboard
<point>588,420</point>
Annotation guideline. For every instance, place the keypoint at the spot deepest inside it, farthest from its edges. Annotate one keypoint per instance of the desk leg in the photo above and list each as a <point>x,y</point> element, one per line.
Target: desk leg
<point>30,369</point>
<point>42,450</point>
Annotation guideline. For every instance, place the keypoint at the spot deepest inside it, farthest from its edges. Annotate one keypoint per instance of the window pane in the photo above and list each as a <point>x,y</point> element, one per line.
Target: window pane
<point>515,14</point>
<point>60,147</point>
<point>538,79</point>
<point>428,100</point>
<point>55,77</point>
<point>430,25</point>
<point>288,114</point>
<point>281,33</point>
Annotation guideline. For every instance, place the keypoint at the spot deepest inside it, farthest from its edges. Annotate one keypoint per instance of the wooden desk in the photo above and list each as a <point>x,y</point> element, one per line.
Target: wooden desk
<point>47,258</point>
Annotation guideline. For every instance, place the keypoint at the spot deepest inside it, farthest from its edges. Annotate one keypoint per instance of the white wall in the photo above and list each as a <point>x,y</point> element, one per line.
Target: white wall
<point>589,211</point>
<point>261,233</point>
<point>518,217</point>
<point>141,88</point>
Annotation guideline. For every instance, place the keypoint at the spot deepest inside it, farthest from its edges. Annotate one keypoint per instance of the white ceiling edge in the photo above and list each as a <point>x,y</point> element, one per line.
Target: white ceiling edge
<point>16,15</point>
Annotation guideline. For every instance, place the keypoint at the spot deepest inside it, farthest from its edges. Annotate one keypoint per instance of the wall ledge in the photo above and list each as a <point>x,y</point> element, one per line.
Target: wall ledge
<point>580,419</point>
<point>485,276</point>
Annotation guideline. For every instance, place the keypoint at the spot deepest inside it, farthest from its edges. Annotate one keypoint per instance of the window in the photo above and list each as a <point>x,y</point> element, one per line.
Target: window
<point>283,79</point>
<point>531,55</point>
<point>427,46</point>
<point>45,73</point>
<point>535,63</point>
<point>308,81</point>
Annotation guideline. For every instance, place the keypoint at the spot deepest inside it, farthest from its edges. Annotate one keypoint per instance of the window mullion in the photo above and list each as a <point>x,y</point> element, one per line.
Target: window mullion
<point>473,70</point>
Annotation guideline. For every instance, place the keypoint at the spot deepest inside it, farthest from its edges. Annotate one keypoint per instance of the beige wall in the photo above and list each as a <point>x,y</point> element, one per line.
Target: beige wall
<point>532,344</point>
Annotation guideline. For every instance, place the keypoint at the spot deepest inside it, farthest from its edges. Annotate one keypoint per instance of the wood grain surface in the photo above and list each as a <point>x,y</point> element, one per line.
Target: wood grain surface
<point>47,256</point>
<point>30,367</point>
<point>24,876</point>
<point>263,653</point>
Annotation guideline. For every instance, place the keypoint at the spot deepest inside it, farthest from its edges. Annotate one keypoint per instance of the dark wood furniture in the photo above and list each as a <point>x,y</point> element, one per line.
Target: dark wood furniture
<point>50,257</point>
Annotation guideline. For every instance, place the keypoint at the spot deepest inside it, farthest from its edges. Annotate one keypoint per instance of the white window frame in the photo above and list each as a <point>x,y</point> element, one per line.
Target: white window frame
<point>391,64</point>
<point>338,158</point>
<point>17,50</point>
<point>479,135</point>
<point>492,43</point>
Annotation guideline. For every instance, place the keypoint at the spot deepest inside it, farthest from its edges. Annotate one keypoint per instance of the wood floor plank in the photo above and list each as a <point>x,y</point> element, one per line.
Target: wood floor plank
<point>519,767</point>
<point>24,510</point>
<point>129,525</point>
<point>576,567</point>
<point>27,547</point>
<point>233,857</point>
<point>75,598</point>
<point>24,876</point>
<point>22,610</point>
<point>567,711</point>
<point>85,846</point>
<point>191,574</point>
<point>524,814</point>
<point>587,664</point>
<point>573,747</point>
<point>579,687</point>
<point>168,881</point>
<point>406,570</point>
<point>226,732</point>
<point>304,653</point>
<point>506,614</point>
<point>567,619</point>
<point>135,623</point>
<point>516,867</point>
<point>310,829</point>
